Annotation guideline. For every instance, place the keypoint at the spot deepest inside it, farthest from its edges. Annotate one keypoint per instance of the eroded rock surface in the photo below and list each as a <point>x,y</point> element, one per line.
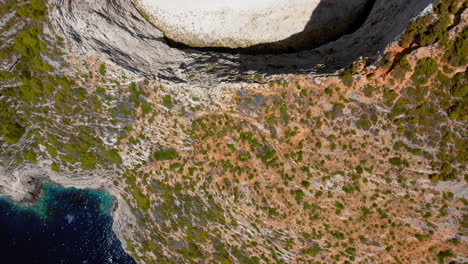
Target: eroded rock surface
<point>275,24</point>
<point>117,30</point>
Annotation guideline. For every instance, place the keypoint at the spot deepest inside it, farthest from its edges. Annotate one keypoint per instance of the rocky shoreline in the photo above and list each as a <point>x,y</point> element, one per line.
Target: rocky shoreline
<point>22,185</point>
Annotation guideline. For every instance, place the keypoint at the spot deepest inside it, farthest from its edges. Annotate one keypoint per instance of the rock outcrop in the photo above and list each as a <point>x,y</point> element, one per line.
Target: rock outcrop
<point>271,25</point>
<point>115,29</point>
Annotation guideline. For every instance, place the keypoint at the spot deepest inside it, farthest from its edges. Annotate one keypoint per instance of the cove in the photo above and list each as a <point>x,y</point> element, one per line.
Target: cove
<point>66,225</point>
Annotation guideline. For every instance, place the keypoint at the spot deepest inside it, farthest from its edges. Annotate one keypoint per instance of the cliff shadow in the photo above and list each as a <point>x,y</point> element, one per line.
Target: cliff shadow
<point>329,21</point>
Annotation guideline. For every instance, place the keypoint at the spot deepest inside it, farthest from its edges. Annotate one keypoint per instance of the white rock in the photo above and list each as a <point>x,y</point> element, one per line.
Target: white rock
<point>243,23</point>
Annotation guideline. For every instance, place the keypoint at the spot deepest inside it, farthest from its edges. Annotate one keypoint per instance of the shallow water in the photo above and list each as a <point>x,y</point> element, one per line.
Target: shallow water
<point>66,225</point>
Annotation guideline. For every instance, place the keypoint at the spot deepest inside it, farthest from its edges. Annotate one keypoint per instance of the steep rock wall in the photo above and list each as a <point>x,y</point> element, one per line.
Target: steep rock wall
<point>115,29</point>
<point>278,25</point>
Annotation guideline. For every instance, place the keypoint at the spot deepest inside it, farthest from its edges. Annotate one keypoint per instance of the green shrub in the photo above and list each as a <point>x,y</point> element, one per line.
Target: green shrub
<point>167,101</point>
<point>434,32</point>
<point>424,70</point>
<point>338,234</point>
<point>305,184</point>
<point>34,9</point>
<point>52,151</point>
<point>442,7</point>
<point>113,156</point>
<point>460,85</point>
<point>347,76</point>
<point>266,153</point>
<point>426,30</point>
<point>398,109</point>
<point>142,201</point>
<point>312,251</point>
<point>369,90</point>
<point>458,111</point>
<point>458,52</point>
<point>446,173</point>
<point>401,69</point>
<point>389,95</point>
<point>10,130</point>
<point>146,108</point>
<point>102,69</point>
<point>88,161</point>
<point>363,123</point>
<point>55,167</point>
<point>298,196</point>
<point>398,162</point>
<point>442,255</point>
<point>167,154</point>
<point>460,90</point>
<point>31,156</point>
<point>5,75</point>
<point>413,30</point>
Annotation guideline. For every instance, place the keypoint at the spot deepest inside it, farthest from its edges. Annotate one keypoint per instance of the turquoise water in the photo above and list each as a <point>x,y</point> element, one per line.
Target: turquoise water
<point>66,225</point>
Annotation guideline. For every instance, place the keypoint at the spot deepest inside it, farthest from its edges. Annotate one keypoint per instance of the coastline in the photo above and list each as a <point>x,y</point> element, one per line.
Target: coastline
<point>22,186</point>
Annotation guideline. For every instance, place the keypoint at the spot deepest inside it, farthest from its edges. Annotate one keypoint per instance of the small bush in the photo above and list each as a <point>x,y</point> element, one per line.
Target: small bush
<point>425,68</point>
<point>113,156</point>
<point>88,161</point>
<point>55,167</point>
<point>401,69</point>
<point>305,184</point>
<point>347,76</point>
<point>458,111</point>
<point>34,9</point>
<point>102,69</point>
<point>398,162</point>
<point>31,156</point>
<point>389,96</point>
<point>10,131</point>
<point>458,52</point>
<point>168,154</point>
<point>413,31</point>
<point>442,255</point>
<point>167,101</point>
<point>298,196</point>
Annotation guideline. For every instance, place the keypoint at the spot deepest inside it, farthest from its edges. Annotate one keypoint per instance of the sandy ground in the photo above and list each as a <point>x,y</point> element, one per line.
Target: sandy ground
<point>228,23</point>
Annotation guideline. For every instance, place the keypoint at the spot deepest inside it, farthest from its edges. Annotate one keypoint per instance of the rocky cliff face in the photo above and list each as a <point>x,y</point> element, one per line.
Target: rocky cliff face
<point>302,169</point>
<point>118,31</point>
<point>259,26</point>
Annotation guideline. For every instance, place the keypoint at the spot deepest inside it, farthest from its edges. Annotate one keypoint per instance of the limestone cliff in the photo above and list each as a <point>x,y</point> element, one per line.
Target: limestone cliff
<point>117,30</point>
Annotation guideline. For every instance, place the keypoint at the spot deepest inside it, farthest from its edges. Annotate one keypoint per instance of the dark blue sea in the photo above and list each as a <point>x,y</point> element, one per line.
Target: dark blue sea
<point>66,225</point>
